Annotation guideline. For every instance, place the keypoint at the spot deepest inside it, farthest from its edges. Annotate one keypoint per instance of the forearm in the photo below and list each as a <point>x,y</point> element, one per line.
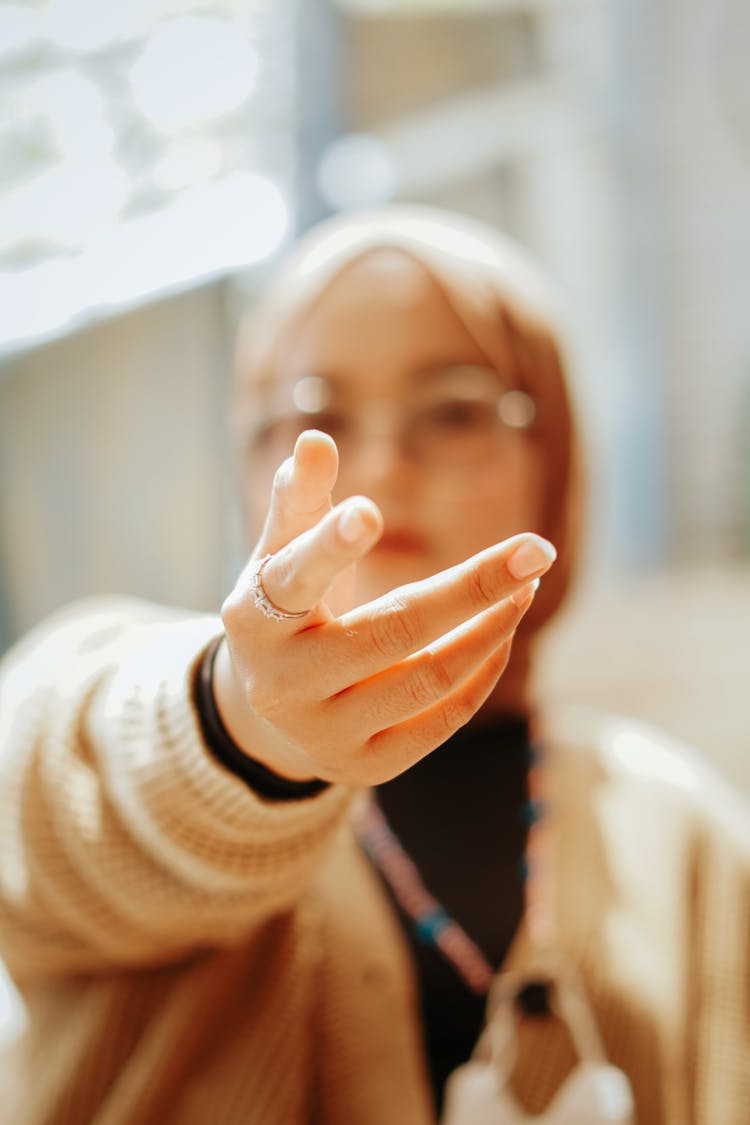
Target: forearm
<point>124,840</point>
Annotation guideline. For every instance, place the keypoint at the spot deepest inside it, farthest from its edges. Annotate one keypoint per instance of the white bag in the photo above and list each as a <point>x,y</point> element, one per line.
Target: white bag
<point>594,1093</point>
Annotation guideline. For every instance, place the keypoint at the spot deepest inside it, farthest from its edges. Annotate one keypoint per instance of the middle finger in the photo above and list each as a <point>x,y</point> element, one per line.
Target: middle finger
<point>407,619</point>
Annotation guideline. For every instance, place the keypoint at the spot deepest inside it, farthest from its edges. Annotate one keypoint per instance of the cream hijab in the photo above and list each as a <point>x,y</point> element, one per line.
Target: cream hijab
<point>500,297</point>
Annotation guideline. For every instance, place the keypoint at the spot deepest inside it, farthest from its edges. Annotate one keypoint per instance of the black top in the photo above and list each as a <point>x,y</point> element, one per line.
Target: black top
<point>460,814</point>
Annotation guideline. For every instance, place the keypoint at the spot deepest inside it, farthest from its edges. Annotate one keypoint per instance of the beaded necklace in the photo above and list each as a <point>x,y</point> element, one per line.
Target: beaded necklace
<point>432,923</point>
<point>594,1090</point>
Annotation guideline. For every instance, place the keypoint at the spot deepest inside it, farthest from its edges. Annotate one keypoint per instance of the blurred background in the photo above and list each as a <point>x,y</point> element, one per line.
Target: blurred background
<point>157,155</point>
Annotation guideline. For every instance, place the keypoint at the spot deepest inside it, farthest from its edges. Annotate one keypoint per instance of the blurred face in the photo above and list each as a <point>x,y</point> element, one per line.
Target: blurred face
<point>424,425</point>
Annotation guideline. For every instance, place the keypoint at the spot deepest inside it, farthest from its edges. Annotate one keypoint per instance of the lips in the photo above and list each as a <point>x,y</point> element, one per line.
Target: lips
<point>401,542</point>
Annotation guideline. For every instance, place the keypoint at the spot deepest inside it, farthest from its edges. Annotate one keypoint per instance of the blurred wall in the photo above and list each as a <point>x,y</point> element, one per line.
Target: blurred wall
<point>613,140</point>
<point>682,131</point>
<point>114,469</point>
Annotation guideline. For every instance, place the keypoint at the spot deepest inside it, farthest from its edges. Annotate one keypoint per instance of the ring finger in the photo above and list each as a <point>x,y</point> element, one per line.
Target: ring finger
<point>430,675</point>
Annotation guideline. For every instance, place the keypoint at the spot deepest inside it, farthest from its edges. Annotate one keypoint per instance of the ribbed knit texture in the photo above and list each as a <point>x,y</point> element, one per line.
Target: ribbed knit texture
<point>192,953</point>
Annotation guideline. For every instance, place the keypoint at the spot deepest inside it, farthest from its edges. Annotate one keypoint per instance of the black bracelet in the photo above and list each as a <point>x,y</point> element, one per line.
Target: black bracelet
<point>225,749</point>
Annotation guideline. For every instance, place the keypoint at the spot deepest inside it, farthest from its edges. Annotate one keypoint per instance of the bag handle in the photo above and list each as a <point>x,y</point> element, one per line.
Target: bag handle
<point>567,998</point>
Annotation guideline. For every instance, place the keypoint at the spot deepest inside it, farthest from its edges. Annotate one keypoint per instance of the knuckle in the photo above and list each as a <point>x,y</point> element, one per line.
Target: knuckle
<point>332,662</point>
<point>419,689</point>
<point>441,676</point>
<point>484,589</point>
<point>430,681</point>
<point>456,711</point>
<point>393,630</point>
<point>231,612</point>
<point>499,660</point>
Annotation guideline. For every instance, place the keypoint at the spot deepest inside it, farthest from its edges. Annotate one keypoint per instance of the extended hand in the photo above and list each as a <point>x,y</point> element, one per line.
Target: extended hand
<point>360,697</point>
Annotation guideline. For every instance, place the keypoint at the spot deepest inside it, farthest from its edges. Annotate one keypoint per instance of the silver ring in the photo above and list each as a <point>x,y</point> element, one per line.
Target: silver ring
<point>262,600</point>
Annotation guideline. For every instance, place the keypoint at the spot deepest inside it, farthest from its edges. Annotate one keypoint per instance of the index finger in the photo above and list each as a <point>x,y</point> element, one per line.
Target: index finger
<point>410,617</point>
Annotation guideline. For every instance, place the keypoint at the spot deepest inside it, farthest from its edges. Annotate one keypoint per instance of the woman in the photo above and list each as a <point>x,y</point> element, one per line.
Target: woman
<point>208,918</point>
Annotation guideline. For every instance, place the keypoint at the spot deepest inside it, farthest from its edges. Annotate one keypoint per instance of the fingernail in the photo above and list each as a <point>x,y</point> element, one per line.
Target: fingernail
<point>531,557</point>
<point>524,597</point>
<point>351,525</point>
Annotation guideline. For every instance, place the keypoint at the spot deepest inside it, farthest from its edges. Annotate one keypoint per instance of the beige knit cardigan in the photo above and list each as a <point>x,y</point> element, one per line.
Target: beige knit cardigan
<point>191,953</point>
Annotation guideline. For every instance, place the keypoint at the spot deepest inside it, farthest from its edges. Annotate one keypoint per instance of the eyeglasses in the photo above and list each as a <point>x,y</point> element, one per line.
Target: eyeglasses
<point>465,416</point>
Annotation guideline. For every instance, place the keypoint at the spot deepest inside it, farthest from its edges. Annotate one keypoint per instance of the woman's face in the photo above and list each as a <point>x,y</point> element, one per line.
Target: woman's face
<point>382,362</point>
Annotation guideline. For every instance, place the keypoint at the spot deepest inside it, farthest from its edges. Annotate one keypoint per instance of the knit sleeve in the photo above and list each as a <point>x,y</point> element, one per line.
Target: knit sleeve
<point>718,973</point>
<point>123,840</point>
